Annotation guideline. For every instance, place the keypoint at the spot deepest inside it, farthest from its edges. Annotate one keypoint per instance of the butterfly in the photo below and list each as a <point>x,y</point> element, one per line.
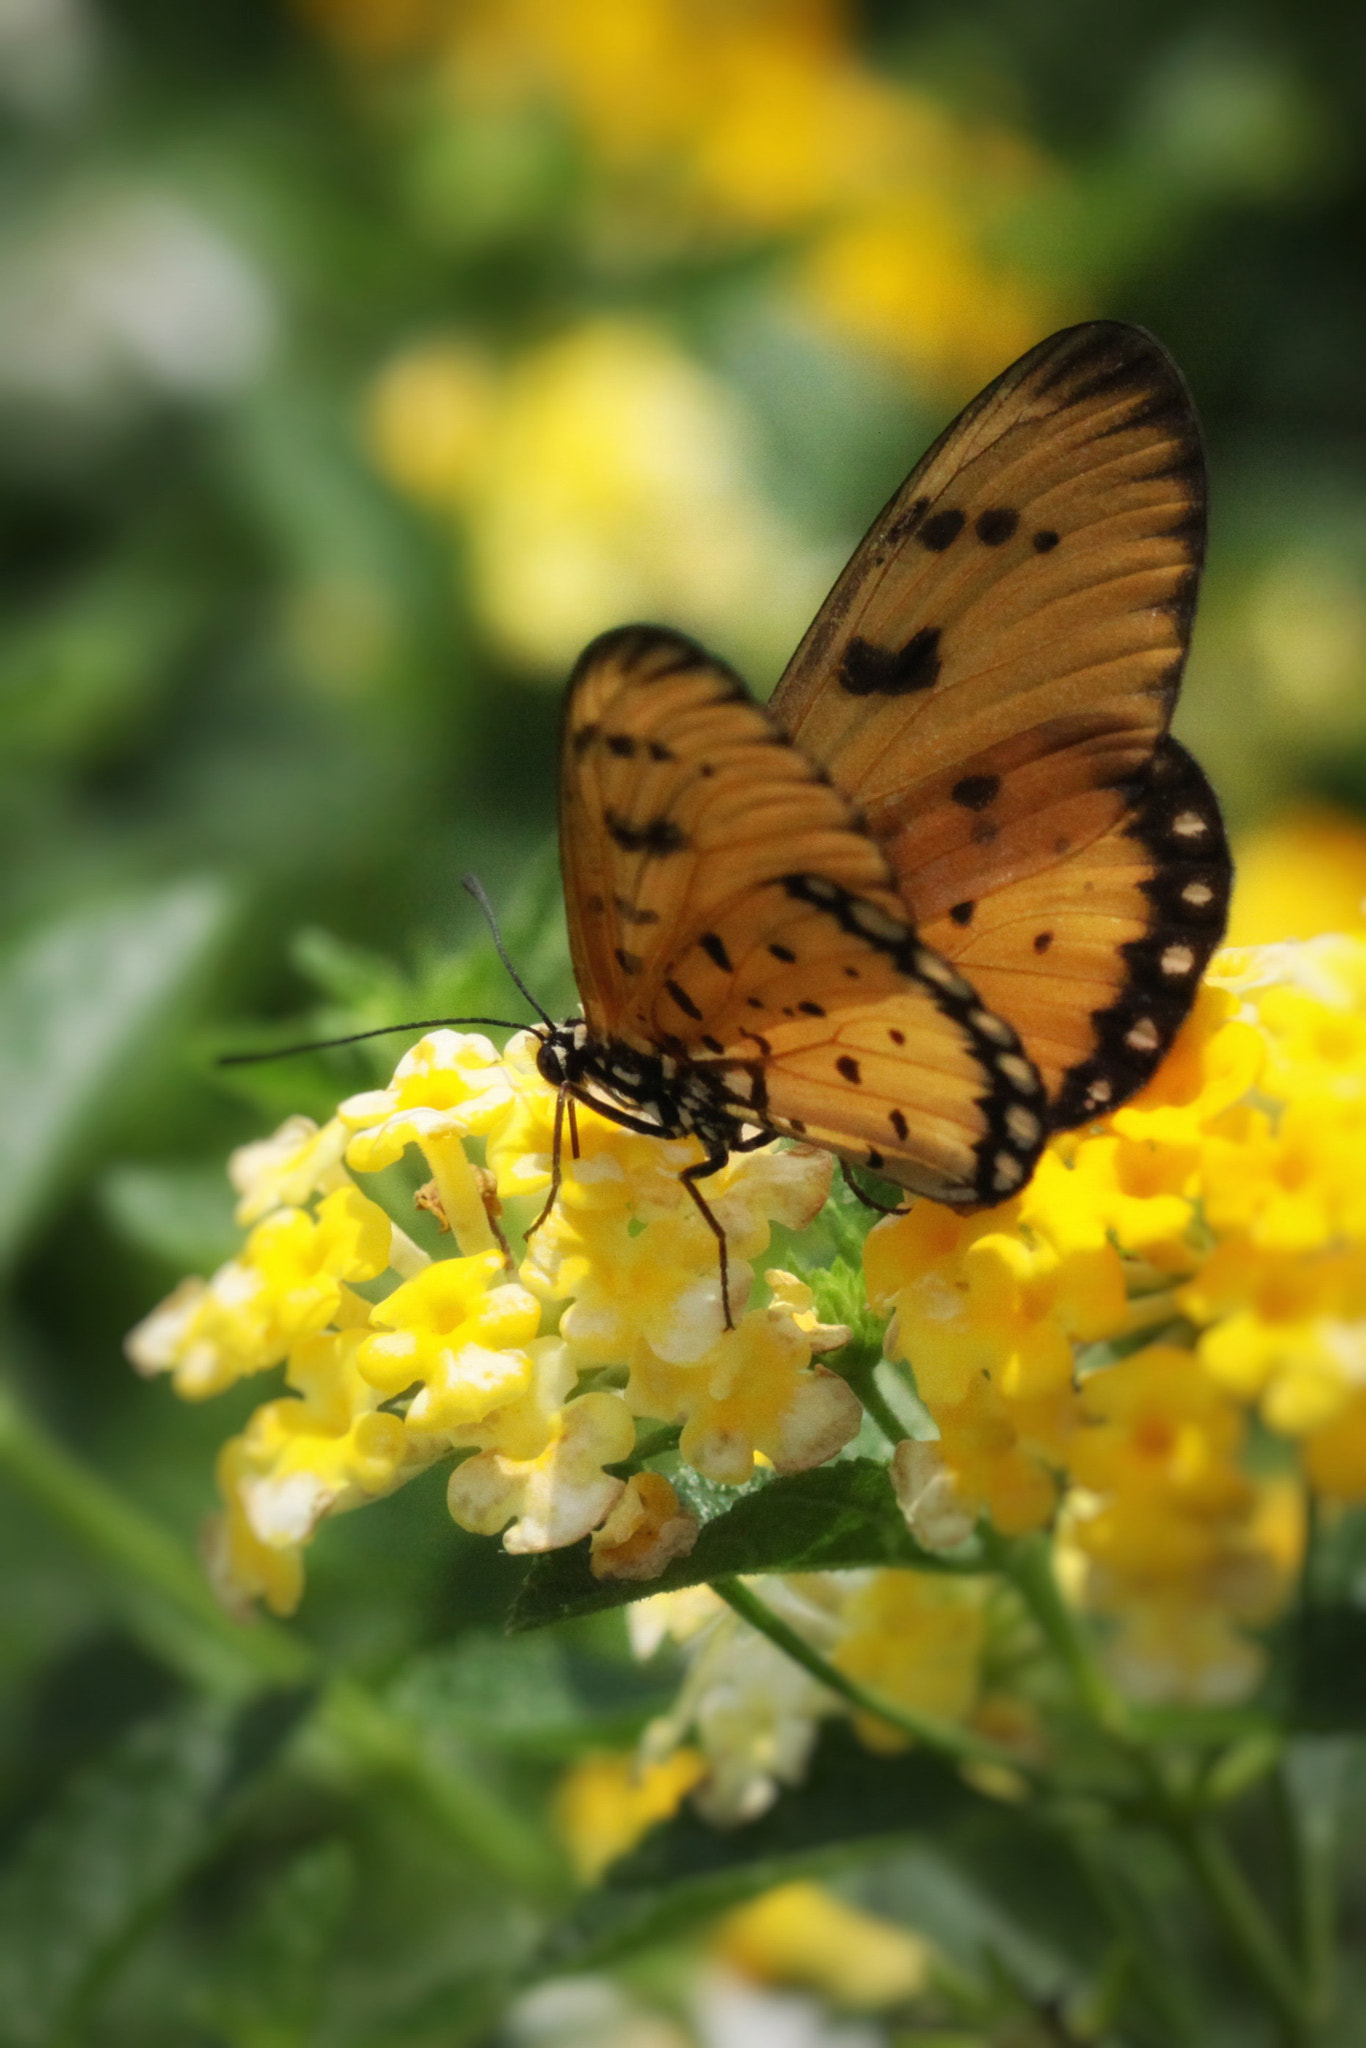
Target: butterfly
<point>953,889</point>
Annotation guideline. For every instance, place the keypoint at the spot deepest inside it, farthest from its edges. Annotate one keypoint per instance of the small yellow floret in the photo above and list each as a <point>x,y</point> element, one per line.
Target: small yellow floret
<point>918,1639</point>
<point>556,1497</point>
<point>802,1934</point>
<point>606,1803</point>
<point>646,1530</point>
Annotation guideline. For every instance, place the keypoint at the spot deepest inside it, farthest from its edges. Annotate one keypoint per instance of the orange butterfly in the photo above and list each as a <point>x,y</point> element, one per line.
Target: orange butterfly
<point>956,886</point>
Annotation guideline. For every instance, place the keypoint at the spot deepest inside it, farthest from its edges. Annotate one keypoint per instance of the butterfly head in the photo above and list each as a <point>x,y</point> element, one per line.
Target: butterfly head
<point>652,1093</point>
<point>558,1054</point>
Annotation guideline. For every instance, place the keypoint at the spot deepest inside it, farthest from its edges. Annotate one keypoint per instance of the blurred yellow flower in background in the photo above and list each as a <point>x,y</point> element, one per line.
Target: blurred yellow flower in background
<point>604,473</point>
<point>604,476</point>
<point>1305,872</point>
<point>803,1934</point>
<point>605,1803</point>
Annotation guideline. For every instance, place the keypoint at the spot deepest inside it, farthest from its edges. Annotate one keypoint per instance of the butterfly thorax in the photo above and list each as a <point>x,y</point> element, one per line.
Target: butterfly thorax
<point>654,1093</point>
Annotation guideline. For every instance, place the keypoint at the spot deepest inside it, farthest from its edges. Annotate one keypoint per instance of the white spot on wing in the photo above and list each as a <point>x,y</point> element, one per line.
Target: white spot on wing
<point>994,1028</point>
<point>1024,1127</point>
<point>931,968</point>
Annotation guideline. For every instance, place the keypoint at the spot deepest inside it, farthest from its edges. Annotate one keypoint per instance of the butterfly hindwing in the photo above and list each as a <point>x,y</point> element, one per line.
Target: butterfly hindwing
<point>991,681</point>
<point>728,913</point>
<point>1102,953</point>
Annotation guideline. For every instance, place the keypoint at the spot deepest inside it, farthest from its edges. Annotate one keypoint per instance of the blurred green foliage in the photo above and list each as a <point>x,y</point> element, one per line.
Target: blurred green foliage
<point>257,715</point>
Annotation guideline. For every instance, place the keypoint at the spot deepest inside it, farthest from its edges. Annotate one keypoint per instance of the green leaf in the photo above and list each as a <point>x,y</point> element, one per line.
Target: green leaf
<point>86,664</point>
<point>537,1696</point>
<point>79,1003</point>
<point>686,1870</point>
<point>183,1214</point>
<point>115,1842</point>
<point>837,1518</point>
<point>272,1991</point>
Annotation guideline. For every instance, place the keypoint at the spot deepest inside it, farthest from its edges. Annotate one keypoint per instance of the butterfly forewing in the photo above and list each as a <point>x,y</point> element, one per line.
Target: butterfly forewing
<point>678,797</point>
<point>991,680</point>
<point>727,910</point>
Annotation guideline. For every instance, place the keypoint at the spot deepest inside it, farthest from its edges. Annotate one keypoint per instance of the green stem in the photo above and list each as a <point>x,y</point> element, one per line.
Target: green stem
<point>1028,1564</point>
<point>959,1745</point>
<point>1163,1988</point>
<point>861,1374</point>
<point>172,1608</point>
<point>192,1631</point>
<point>1246,1926</point>
<point>1310,1788</point>
<point>462,1801</point>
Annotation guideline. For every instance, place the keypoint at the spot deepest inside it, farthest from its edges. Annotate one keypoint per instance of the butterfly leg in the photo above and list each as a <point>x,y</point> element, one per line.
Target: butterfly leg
<point>861,1194</point>
<point>573,1129</point>
<point>555,1150</point>
<point>690,1176</point>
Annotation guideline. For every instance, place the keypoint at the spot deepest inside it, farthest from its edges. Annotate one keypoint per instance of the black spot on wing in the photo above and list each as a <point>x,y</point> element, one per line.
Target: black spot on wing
<point>629,963</point>
<point>1042,941</point>
<point>630,913</point>
<point>870,671</point>
<point>583,736</point>
<point>781,952</point>
<point>659,752</point>
<point>621,744</point>
<point>715,951</point>
<point>848,1066</point>
<point>809,1009</point>
<point>1045,540</point>
<point>941,531</point>
<point>996,525</point>
<point>975,792</point>
<point>683,1000</point>
<point>898,1123</point>
<point>961,913</point>
<point>656,836</point>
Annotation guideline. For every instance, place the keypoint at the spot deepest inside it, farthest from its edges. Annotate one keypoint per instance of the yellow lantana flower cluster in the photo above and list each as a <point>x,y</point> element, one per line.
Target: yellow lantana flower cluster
<point>1165,1333</point>
<point>531,1381</point>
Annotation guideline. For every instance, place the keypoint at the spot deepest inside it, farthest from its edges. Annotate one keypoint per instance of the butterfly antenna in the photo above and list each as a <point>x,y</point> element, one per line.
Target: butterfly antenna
<point>285,1052</point>
<point>474,887</point>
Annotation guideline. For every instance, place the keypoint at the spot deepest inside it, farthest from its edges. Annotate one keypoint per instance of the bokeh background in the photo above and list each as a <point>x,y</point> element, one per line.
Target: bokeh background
<point>359,360</point>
